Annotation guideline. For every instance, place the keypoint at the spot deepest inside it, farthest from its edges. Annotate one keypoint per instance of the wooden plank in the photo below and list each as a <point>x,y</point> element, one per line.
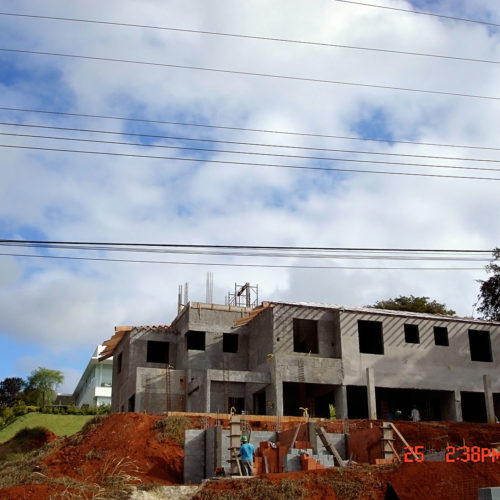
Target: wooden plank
<point>394,451</point>
<point>266,465</point>
<point>404,441</point>
<point>329,445</point>
<point>295,434</point>
<point>239,466</point>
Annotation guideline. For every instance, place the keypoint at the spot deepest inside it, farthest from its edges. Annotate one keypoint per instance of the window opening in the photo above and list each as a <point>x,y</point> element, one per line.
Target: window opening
<point>441,335</point>
<point>411,334</point>
<point>230,342</point>
<point>157,352</point>
<point>305,335</point>
<point>371,340</point>
<point>119,363</point>
<point>480,345</point>
<point>195,340</point>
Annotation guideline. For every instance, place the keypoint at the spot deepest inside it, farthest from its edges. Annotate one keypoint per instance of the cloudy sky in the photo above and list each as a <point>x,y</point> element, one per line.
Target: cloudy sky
<point>439,111</point>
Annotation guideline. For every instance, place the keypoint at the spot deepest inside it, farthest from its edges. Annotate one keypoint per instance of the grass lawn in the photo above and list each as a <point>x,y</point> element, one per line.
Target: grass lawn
<point>61,425</point>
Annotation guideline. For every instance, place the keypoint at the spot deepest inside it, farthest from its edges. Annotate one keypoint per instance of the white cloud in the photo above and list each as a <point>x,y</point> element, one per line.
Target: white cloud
<point>64,196</point>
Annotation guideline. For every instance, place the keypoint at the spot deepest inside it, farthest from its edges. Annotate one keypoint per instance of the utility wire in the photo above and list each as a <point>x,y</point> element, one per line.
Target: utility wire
<point>83,244</point>
<point>251,37</point>
<point>257,252</point>
<point>257,153</point>
<point>222,127</point>
<point>249,73</point>
<point>240,143</point>
<point>225,264</point>
<point>226,162</point>
<point>420,12</point>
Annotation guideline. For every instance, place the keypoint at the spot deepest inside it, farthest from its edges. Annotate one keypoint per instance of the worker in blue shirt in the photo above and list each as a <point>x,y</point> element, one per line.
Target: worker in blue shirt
<point>247,452</point>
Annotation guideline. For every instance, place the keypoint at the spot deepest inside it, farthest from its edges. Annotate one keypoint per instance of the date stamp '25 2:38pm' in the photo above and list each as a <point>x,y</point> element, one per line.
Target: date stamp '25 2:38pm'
<point>455,454</point>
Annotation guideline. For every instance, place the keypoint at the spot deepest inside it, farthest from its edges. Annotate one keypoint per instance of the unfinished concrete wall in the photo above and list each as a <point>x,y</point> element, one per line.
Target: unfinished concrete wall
<point>285,330</point>
<point>425,365</point>
<point>151,390</point>
<point>194,456</point>
<point>123,375</point>
<point>260,338</point>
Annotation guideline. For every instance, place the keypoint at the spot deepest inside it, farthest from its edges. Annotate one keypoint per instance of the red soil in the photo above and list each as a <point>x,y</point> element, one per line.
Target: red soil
<point>412,481</point>
<point>124,443</point>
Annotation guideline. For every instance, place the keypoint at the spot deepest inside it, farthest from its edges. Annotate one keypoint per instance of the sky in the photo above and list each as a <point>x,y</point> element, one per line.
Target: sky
<point>53,312</point>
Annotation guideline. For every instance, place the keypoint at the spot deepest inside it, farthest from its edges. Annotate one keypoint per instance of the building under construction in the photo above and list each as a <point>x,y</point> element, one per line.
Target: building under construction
<point>295,359</point>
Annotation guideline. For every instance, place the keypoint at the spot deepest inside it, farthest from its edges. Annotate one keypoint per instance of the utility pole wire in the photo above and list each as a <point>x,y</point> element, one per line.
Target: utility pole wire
<point>421,12</point>
<point>224,264</point>
<point>249,73</point>
<point>252,37</point>
<point>273,165</point>
<point>240,143</point>
<point>243,129</point>
<point>257,153</point>
<point>57,243</point>
<point>262,252</point>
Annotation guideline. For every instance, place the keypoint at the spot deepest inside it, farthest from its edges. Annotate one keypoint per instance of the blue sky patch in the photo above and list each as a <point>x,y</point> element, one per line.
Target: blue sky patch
<point>374,125</point>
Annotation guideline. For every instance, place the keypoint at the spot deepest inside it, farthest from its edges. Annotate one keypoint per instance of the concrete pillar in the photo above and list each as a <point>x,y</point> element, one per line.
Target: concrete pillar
<point>370,391</point>
<point>207,394</point>
<point>341,401</point>
<point>276,388</point>
<point>458,406</point>
<point>488,396</point>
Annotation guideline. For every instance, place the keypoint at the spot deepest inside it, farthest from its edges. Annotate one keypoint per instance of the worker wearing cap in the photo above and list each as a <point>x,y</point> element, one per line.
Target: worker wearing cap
<point>247,452</point>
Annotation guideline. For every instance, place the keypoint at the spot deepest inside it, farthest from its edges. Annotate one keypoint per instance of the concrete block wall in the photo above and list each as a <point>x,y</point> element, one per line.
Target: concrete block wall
<point>489,493</point>
<point>328,335</point>
<point>194,456</point>
<point>151,395</point>
<point>443,365</point>
<point>213,443</point>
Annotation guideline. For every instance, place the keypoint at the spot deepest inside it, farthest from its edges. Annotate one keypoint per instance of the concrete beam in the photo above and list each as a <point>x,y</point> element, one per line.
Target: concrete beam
<point>370,390</point>
<point>239,376</point>
<point>488,396</point>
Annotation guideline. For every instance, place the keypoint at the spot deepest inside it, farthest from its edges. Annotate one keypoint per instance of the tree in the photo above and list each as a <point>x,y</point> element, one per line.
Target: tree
<point>413,304</point>
<point>10,390</point>
<point>42,384</point>
<point>489,293</point>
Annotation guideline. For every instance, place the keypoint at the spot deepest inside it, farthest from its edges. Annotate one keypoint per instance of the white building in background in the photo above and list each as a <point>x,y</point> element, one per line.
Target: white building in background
<point>94,386</point>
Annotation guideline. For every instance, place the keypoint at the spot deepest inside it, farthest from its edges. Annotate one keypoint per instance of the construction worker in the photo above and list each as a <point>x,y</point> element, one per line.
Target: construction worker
<point>247,451</point>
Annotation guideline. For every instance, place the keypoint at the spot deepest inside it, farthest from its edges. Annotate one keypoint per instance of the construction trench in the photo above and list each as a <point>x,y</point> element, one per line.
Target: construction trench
<point>303,447</point>
<point>290,444</point>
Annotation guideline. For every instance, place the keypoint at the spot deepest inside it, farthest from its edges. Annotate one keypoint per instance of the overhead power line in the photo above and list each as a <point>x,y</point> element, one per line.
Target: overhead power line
<point>249,73</point>
<point>256,251</point>
<point>216,141</point>
<point>110,244</point>
<point>421,12</point>
<point>243,129</point>
<point>250,37</point>
<point>240,163</point>
<point>225,264</point>
<point>259,153</point>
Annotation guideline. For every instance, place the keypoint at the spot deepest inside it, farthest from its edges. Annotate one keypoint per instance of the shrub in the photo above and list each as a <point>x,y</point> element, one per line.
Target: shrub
<point>171,427</point>
<point>20,408</point>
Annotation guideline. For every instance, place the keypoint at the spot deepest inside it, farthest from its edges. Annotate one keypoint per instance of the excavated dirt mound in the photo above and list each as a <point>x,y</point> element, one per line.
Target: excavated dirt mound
<point>128,448</point>
<point>437,435</point>
<point>445,481</point>
<point>124,444</point>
